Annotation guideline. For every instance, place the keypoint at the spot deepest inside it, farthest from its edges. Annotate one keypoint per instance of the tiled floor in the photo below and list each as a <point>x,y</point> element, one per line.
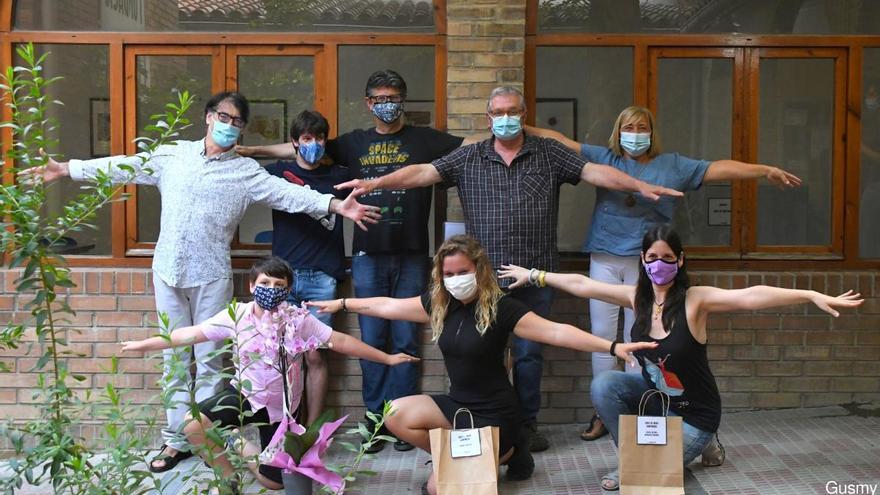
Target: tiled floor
<point>795,451</point>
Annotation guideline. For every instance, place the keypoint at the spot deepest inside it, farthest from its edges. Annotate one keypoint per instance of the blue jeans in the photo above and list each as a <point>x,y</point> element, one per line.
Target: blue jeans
<point>528,360</point>
<point>617,392</point>
<point>312,285</point>
<point>398,276</point>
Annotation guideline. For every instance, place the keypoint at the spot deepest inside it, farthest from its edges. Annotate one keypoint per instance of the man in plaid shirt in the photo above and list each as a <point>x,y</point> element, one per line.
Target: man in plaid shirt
<point>509,191</point>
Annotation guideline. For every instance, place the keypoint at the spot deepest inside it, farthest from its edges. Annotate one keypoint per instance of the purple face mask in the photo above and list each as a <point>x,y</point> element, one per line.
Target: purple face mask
<point>661,272</point>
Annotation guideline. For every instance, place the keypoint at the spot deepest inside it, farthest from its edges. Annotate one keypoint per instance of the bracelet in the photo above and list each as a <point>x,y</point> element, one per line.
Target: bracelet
<point>541,281</point>
<point>533,276</point>
<point>613,345</point>
<point>343,305</point>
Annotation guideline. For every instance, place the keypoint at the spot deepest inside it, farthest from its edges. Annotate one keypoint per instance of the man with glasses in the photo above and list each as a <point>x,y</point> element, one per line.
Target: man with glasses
<point>206,187</point>
<point>509,191</point>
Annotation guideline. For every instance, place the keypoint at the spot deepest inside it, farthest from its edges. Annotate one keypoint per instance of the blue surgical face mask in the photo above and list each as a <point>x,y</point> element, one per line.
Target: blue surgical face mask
<point>506,127</point>
<point>635,143</point>
<point>224,135</point>
<point>388,112</point>
<point>269,298</point>
<point>311,152</point>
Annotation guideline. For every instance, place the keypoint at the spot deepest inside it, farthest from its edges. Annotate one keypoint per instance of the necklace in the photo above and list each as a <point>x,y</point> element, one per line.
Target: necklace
<point>658,309</point>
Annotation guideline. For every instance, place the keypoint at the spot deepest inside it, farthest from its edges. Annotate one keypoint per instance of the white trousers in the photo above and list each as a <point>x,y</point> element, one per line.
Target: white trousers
<point>187,307</point>
<point>603,316</point>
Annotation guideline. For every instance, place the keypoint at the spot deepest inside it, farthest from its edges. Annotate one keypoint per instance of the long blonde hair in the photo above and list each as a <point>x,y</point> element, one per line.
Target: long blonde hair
<point>488,292</point>
<point>628,114</point>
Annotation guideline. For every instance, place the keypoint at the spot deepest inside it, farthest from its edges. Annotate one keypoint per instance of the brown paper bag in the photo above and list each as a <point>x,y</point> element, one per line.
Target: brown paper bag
<point>472,475</point>
<point>651,469</point>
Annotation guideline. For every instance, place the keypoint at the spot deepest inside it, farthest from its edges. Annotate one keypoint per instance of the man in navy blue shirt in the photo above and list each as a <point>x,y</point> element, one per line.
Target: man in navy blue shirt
<point>314,248</point>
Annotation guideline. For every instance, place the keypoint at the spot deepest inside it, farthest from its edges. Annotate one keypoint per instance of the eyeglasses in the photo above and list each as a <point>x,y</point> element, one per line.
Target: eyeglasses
<point>386,99</point>
<point>229,119</point>
<point>509,113</point>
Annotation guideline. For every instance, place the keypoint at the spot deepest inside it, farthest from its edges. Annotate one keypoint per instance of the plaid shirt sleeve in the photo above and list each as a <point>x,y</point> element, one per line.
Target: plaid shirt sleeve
<point>450,166</point>
<point>567,164</point>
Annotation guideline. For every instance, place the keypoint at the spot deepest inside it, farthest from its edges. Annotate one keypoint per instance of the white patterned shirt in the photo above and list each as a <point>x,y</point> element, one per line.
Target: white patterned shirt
<point>203,201</point>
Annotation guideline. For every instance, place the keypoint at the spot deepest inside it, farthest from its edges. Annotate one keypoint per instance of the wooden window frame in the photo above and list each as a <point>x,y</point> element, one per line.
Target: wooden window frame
<point>845,210</point>
<point>125,250</point>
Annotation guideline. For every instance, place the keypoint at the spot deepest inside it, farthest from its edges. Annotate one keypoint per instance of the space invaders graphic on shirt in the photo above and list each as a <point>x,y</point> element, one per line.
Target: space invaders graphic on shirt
<point>380,153</point>
<point>383,158</point>
<point>664,380</point>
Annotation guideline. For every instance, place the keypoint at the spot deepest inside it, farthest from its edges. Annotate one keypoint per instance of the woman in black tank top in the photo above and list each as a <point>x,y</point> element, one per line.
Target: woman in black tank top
<point>672,314</point>
<point>472,319</point>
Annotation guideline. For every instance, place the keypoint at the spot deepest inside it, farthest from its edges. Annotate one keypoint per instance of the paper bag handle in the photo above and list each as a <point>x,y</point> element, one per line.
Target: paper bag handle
<point>664,401</point>
<point>455,417</point>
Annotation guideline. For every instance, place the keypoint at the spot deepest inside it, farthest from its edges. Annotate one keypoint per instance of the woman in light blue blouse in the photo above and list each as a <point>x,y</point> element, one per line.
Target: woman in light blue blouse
<point>620,219</point>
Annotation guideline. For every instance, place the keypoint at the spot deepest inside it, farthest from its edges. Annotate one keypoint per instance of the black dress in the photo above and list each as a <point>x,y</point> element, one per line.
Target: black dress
<point>475,365</point>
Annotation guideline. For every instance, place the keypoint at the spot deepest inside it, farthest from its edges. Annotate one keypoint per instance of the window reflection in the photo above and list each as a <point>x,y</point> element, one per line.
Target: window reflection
<point>869,197</point>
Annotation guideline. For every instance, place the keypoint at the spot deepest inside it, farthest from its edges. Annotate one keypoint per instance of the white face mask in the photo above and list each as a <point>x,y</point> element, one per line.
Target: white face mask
<point>462,287</point>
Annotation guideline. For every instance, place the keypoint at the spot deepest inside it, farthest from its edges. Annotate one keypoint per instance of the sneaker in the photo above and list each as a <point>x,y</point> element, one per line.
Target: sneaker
<point>537,441</point>
<point>403,446</point>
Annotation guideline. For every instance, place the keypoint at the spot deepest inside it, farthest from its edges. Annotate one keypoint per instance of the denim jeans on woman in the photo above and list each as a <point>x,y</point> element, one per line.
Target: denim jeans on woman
<point>398,276</point>
<point>616,392</point>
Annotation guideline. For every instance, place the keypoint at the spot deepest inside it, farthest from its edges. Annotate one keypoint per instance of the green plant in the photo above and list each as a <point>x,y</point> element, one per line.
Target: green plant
<point>46,446</point>
<point>350,472</point>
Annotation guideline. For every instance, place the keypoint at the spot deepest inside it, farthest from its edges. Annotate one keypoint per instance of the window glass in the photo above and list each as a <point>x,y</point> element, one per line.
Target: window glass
<point>794,132</point>
<point>869,189</point>
<point>694,118</point>
<point>582,102</point>
<point>82,131</point>
<point>710,16</point>
<point>159,79</point>
<point>214,16</point>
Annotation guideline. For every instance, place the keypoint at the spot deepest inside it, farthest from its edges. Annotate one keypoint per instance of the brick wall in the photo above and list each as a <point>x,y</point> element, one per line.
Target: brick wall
<point>798,356</point>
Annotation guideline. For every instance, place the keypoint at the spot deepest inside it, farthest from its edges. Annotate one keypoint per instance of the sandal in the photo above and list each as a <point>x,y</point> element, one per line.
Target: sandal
<point>595,430</point>
<point>611,481</point>
<point>170,460</point>
<point>713,453</point>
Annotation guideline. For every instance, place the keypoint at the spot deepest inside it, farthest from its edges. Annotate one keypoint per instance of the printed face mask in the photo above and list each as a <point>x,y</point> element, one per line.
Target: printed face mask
<point>635,143</point>
<point>462,287</point>
<point>506,127</point>
<point>225,135</point>
<point>311,152</point>
<point>269,298</point>
<point>388,112</point>
<point>661,272</point>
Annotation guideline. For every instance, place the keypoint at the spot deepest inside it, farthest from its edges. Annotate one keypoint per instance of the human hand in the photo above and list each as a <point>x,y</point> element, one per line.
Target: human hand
<point>359,187</point>
<point>625,351</point>
<point>827,303</point>
<point>395,359</point>
<point>328,307</point>
<point>49,172</point>
<point>246,150</point>
<point>132,346</point>
<point>781,178</point>
<point>518,273</point>
<point>359,213</point>
<point>653,192</point>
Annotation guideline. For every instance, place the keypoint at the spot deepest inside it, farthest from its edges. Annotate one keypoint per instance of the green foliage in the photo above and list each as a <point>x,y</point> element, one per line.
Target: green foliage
<point>46,447</point>
<point>297,445</point>
<point>350,472</point>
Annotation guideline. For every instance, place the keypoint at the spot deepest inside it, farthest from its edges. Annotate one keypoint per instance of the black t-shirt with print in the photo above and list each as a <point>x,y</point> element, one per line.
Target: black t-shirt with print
<point>404,224</point>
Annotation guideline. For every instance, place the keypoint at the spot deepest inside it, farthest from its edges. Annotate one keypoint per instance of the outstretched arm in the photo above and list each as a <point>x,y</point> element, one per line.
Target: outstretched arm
<point>533,327</point>
<point>179,337</point>
<point>350,346</point>
<point>715,300</point>
<point>280,150</point>
<point>732,170</point>
<point>558,136</point>
<point>389,308</point>
<point>574,284</point>
<point>611,178</point>
<point>409,177</point>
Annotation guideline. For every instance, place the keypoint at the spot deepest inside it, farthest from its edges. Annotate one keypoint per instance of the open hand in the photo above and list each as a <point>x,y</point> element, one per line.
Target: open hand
<point>132,345</point>
<point>827,303</point>
<point>395,359</point>
<point>359,213</point>
<point>49,172</point>
<point>327,307</point>
<point>359,187</point>
<point>518,273</point>
<point>781,178</point>
<point>624,351</point>
<point>654,192</point>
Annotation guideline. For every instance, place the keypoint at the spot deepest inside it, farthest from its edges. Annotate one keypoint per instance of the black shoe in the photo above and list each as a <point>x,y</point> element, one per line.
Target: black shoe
<point>537,441</point>
<point>170,460</point>
<point>521,464</point>
<point>403,446</point>
<point>377,445</point>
